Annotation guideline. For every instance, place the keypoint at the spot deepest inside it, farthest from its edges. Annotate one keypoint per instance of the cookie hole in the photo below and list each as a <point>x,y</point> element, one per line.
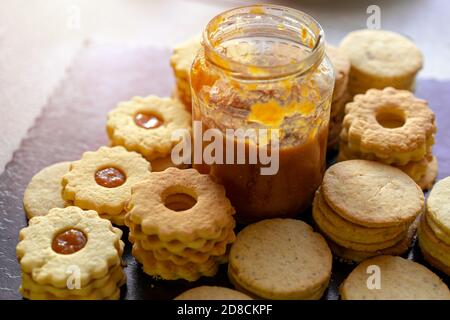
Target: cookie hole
<point>110,177</point>
<point>148,120</point>
<point>69,241</point>
<point>391,118</point>
<point>179,198</point>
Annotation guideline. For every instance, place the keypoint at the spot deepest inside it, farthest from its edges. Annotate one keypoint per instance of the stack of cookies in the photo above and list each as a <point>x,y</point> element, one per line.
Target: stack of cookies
<point>70,254</point>
<point>393,127</point>
<point>381,59</point>
<point>280,259</point>
<point>366,208</point>
<point>181,224</point>
<point>181,61</point>
<point>434,227</point>
<point>341,65</point>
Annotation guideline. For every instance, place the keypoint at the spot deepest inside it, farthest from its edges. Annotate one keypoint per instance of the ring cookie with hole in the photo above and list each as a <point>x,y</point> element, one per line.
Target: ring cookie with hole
<point>44,190</point>
<point>70,254</point>
<point>376,213</point>
<point>181,61</point>
<point>393,278</point>
<point>280,259</point>
<point>380,59</point>
<point>393,127</point>
<point>434,228</point>
<point>186,233</point>
<point>146,125</point>
<point>102,181</point>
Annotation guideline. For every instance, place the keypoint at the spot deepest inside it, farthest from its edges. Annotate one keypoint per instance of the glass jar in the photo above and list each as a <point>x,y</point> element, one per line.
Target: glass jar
<point>264,67</point>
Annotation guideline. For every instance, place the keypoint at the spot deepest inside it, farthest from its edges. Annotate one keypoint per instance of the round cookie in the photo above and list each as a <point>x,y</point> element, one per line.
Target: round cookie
<point>380,59</point>
<point>401,279</point>
<point>433,245</point>
<point>341,66</point>
<point>44,190</point>
<point>438,204</point>
<point>280,259</point>
<point>102,180</point>
<point>381,195</point>
<point>145,125</point>
<point>389,125</point>
<point>212,293</point>
<point>428,179</point>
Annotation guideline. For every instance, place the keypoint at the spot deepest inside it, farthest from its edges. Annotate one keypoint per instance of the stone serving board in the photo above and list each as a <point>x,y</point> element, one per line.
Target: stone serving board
<point>73,121</point>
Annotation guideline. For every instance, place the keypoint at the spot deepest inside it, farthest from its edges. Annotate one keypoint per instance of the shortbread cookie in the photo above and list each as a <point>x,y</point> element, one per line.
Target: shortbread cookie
<point>438,204</point>
<point>437,231</point>
<point>350,256</point>
<point>351,235</point>
<point>400,279</point>
<point>435,247</point>
<point>181,60</point>
<point>341,66</point>
<point>212,293</point>
<point>44,190</point>
<point>280,259</point>
<point>102,180</point>
<point>197,221</point>
<point>146,125</point>
<point>52,246</point>
<point>381,59</point>
<point>389,125</point>
<point>428,179</point>
<point>375,195</point>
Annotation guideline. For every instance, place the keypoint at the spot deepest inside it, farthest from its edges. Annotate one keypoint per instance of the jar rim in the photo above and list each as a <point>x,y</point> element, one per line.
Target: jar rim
<point>243,69</point>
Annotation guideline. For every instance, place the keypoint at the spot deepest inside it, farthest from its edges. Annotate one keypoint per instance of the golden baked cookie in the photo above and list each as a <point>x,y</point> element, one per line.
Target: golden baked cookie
<point>380,59</point>
<point>212,293</point>
<point>438,204</point>
<point>375,195</point>
<point>341,66</point>
<point>437,231</point>
<point>351,235</point>
<point>44,190</point>
<point>280,259</point>
<point>64,240</point>
<point>145,125</point>
<point>426,182</point>
<point>400,279</point>
<point>389,125</point>
<point>435,247</point>
<point>181,60</point>
<point>102,180</point>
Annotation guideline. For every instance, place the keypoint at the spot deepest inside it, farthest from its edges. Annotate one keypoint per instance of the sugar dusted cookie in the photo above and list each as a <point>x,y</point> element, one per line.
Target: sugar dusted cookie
<point>380,59</point>
<point>212,293</point>
<point>102,180</point>
<point>280,259</point>
<point>70,242</point>
<point>44,190</point>
<point>400,279</point>
<point>145,125</point>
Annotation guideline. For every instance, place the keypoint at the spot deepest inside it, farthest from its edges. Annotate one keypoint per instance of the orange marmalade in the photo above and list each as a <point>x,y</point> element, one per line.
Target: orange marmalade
<point>264,67</point>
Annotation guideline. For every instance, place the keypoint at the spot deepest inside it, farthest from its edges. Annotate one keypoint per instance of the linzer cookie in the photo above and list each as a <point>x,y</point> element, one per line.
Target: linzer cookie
<point>399,279</point>
<point>70,254</point>
<point>44,190</point>
<point>186,233</point>
<point>394,127</point>
<point>212,293</point>
<point>145,125</point>
<point>374,214</point>
<point>102,181</point>
<point>434,229</point>
<point>280,259</point>
<point>181,61</point>
<point>381,59</point>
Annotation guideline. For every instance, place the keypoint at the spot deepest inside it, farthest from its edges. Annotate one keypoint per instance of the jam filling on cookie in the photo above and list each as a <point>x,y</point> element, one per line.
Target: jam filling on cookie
<point>110,177</point>
<point>69,241</point>
<point>147,120</point>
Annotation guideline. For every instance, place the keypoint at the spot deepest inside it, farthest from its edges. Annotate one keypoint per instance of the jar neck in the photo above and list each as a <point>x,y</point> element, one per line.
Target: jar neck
<point>263,42</point>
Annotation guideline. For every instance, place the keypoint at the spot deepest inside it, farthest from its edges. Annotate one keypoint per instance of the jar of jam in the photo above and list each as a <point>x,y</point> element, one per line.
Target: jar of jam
<point>264,67</point>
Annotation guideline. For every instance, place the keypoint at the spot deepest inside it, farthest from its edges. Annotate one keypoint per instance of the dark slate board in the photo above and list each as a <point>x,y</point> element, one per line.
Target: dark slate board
<point>73,121</point>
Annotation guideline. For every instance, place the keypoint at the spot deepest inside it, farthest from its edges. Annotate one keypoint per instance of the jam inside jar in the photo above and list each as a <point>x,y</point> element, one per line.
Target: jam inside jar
<point>264,67</point>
